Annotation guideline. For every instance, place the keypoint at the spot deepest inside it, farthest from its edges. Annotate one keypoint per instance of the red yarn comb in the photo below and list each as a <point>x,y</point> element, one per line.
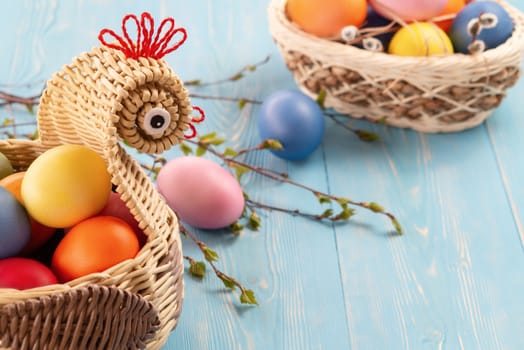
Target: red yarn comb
<point>195,120</point>
<point>146,45</point>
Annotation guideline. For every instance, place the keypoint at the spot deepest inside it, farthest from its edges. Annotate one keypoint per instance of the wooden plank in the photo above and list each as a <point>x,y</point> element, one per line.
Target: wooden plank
<point>290,266</point>
<point>453,281</point>
<point>504,131</point>
<point>448,281</point>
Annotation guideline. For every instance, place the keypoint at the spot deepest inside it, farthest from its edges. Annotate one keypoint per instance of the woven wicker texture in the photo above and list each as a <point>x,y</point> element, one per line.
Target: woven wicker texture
<point>428,94</point>
<point>81,318</point>
<point>99,100</point>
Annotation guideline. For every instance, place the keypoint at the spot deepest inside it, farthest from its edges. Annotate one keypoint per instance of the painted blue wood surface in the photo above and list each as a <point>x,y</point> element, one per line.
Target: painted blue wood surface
<point>453,281</point>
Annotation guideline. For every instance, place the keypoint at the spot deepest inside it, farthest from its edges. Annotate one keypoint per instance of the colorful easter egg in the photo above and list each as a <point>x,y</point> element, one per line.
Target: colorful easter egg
<point>420,39</point>
<point>295,120</point>
<point>496,29</point>
<point>39,233</point>
<point>325,18</point>
<point>117,207</point>
<point>452,8</point>
<point>94,245</point>
<point>15,228</point>
<point>23,273</point>
<point>5,166</point>
<point>409,10</point>
<point>65,185</point>
<point>201,192</point>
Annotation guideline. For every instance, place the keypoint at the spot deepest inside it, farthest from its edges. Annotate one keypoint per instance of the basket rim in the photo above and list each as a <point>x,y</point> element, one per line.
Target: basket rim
<point>287,33</point>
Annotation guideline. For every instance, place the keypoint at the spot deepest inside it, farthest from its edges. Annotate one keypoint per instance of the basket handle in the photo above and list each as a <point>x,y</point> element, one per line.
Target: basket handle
<point>87,317</point>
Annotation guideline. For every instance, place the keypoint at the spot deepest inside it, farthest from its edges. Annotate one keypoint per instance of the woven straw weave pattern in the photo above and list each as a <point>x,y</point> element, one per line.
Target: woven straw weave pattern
<point>98,311</point>
<point>98,101</point>
<point>428,94</point>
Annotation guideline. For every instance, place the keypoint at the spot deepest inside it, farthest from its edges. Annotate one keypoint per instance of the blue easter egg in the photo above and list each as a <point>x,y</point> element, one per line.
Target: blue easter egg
<point>15,227</point>
<point>295,120</point>
<point>492,37</point>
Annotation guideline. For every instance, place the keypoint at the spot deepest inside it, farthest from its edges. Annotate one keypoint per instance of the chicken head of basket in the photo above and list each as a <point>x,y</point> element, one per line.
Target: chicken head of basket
<point>126,88</point>
<point>153,110</point>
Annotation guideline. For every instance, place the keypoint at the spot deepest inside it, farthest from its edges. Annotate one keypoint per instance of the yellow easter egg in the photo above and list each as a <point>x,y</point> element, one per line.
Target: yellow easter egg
<point>420,39</point>
<point>65,185</point>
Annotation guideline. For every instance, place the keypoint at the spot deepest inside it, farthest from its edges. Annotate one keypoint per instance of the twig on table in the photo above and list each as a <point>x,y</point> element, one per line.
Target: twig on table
<point>346,212</point>
<point>10,99</point>
<point>237,76</point>
<point>247,296</point>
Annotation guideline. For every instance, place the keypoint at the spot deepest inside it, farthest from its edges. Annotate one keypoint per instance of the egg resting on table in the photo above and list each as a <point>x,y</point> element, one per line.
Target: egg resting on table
<point>201,192</point>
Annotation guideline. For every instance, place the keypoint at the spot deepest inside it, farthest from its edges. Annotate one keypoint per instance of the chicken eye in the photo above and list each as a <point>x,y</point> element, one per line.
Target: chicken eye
<point>156,121</point>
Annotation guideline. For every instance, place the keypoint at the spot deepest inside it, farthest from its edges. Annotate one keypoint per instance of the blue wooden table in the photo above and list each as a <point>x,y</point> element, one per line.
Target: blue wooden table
<point>454,280</point>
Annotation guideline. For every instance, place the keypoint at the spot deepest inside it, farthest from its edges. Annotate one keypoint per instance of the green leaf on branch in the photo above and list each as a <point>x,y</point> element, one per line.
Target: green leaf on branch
<point>212,139</point>
<point>228,281</point>
<point>197,269</point>
<point>272,144</point>
<point>321,98</point>
<point>209,253</point>
<point>375,207</point>
<point>7,122</point>
<point>254,222</point>
<point>185,148</point>
<point>345,214</point>
<point>382,120</point>
<point>242,103</point>
<point>217,141</point>
<point>240,170</point>
<point>343,202</point>
<point>322,199</point>
<point>367,136</point>
<point>236,227</point>
<point>200,151</point>
<point>29,108</point>
<point>195,82</point>
<point>229,152</point>
<point>326,214</point>
<point>205,138</point>
<point>156,171</point>
<point>397,226</point>
<point>236,77</point>
<point>248,297</point>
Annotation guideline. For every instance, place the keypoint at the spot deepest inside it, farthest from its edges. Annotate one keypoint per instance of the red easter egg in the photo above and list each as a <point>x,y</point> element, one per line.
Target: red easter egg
<point>23,273</point>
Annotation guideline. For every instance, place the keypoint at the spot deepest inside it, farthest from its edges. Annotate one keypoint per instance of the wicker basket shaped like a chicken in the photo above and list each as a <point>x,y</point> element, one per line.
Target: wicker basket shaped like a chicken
<point>120,92</point>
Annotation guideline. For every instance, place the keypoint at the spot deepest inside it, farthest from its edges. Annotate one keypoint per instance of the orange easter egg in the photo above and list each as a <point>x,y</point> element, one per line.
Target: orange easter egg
<point>94,245</point>
<point>13,183</point>
<point>452,8</point>
<point>326,18</point>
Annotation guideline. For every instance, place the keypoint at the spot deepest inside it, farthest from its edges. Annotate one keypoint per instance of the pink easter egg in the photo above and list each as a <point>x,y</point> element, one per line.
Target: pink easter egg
<point>201,192</point>
<point>409,10</point>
